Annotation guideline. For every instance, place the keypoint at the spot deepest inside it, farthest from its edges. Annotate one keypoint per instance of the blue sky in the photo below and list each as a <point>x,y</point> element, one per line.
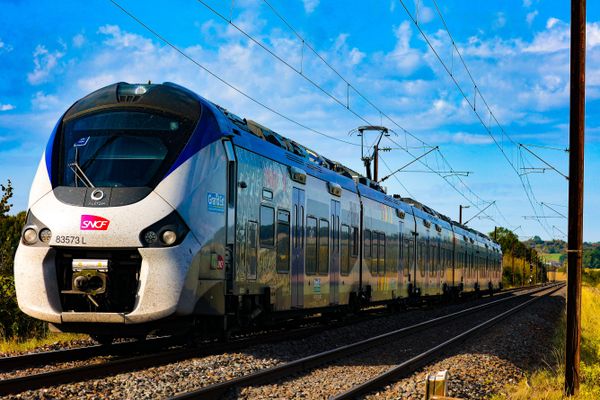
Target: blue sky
<point>51,54</point>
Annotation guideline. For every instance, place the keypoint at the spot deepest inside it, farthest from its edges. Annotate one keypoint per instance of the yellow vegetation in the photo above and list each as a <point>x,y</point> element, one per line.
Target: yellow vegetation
<point>548,383</point>
<point>14,346</point>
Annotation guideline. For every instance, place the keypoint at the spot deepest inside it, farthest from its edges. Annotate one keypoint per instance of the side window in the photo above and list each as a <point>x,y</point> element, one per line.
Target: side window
<point>381,254</point>
<point>311,245</point>
<point>283,241</point>
<point>323,247</point>
<point>251,249</point>
<point>421,257</point>
<point>408,254</point>
<point>355,242</point>
<point>367,251</point>
<point>345,250</point>
<point>267,226</point>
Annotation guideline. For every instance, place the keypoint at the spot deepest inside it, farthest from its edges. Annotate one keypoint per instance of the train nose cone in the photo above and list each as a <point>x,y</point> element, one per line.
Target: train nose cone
<point>81,282</point>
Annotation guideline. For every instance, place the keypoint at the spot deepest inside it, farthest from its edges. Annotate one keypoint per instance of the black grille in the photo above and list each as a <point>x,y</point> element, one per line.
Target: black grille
<point>128,98</point>
<point>122,280</point>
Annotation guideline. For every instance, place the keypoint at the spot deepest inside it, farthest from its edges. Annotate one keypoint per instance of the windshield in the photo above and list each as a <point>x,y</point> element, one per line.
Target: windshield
<point>120,149</point>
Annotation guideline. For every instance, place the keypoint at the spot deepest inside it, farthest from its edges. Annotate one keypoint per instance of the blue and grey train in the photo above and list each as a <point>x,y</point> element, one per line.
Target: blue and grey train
<point>155,209</point>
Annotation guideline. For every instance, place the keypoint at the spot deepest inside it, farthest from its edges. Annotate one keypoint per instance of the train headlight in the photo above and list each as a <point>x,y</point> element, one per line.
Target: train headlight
<point>168,237</point>
<point>30,236</point>
<point>45,235</point>
<point>169,231</point>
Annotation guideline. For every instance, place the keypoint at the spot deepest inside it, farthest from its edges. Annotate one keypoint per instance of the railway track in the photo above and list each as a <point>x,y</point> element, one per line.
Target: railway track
<point>273,374</point>
<point>131,363</point>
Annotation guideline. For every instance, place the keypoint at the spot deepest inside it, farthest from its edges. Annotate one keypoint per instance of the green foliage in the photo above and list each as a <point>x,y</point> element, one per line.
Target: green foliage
<point>10,235</point>
<point>13,323</point>
<point>4,200</point>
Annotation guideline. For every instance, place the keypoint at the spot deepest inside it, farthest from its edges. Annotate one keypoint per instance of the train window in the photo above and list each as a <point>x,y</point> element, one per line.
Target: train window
<point>323,247</point>
<point>267,226</point>
<point>311,245</point>
<point>381,254</point>
<point>251,251</point>
<point>432,259</point>
<point>421,258</point>
<point>408,254</point>
<point>367,244</point>
<point>355,242</point>
<point>267,194</point>
<point>283,241</point>
<point>345,250</point>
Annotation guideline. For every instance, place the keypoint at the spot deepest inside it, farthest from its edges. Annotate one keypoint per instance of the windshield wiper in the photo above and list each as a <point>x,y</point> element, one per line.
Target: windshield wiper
<point>81,175</point>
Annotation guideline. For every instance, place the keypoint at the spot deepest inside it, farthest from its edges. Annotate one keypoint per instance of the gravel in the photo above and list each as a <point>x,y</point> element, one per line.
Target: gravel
<point>168,380</point>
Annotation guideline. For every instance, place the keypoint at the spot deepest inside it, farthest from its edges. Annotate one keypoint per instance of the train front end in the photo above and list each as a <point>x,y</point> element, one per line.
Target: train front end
<point>107,247</point>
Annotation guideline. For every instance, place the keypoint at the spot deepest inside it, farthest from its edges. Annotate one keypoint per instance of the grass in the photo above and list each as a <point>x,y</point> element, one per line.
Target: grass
<point>14,346</point>
<point>551,256</point>
<point>547,383</point>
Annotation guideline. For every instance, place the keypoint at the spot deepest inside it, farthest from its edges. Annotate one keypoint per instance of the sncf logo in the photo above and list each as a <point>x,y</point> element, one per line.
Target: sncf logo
<point>93,223</point>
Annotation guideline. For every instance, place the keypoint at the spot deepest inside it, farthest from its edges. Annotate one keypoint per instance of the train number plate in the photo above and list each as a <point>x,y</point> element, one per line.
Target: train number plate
<point>69,239</point>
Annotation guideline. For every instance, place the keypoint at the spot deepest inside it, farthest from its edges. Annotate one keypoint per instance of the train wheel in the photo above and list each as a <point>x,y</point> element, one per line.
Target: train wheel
<point>104,340</point>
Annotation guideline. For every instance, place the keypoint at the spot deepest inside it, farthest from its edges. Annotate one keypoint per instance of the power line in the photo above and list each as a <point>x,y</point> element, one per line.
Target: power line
<point>473,104</point>
<point>361,95</point>
<point>222,80</point>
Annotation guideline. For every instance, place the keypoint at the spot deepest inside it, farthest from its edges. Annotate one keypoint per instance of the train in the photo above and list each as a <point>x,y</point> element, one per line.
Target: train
<point>156,210</point>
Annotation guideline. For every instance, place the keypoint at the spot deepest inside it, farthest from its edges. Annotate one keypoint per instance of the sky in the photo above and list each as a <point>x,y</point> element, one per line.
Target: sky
<point>316,69</point>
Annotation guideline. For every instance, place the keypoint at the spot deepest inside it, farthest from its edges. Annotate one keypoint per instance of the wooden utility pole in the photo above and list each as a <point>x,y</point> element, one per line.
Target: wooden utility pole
<point>576,141</point>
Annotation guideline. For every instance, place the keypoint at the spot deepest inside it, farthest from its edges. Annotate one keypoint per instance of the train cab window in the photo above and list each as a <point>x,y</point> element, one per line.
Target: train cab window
<point>367,239</point>
<point>311,245</point>
<point>251,250</point>
<point>323,247</point>
<point>267,226</point>
<point>283,241</point>
<point>345,250</point>
<point>355,242</point>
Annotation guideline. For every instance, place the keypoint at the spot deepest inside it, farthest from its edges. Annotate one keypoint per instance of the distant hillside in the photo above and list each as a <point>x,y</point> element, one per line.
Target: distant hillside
<point>555,251</point>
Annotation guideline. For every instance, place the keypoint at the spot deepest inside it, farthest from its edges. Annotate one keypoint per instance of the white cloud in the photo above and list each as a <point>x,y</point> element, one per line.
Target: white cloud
<point>500,20</point>
<point>425,15</point>
<point>531,16</point>
<point>471,138</point>
<point>78,40</point>
<point>310,5</point>
<point>405,58</point>
<point>527,3</point>
<point>6,107</point>
<point>45,62</point>
<point>42,101</point>
<point>4,47</point>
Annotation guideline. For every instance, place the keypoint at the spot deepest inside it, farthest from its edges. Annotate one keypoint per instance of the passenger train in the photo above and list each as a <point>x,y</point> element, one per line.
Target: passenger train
<point>154,209</point>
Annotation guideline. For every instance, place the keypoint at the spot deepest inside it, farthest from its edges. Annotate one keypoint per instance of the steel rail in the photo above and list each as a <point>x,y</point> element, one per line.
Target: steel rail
<point>217,390</point>
<point>420,360</point>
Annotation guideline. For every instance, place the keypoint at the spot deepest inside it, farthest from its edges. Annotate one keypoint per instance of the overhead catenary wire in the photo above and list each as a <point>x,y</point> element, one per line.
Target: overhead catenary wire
<point>222,80</point>
<point>382,114</point>
<point>216,76</point>
<point>472,103</point>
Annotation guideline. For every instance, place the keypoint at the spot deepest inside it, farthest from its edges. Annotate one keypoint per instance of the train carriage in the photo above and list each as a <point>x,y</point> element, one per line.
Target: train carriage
<point>155,209</point>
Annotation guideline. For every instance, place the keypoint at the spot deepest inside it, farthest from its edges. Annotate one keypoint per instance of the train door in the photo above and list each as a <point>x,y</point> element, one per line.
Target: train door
<point>334,269</point>
<point>297,277</point>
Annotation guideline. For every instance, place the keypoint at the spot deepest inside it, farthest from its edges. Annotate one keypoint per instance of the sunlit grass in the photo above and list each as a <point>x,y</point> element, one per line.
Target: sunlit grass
<point>14,346</point>
<point>547,383</point>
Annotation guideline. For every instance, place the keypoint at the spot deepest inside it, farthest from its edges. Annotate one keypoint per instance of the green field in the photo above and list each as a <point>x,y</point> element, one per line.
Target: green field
<point>551,256</point>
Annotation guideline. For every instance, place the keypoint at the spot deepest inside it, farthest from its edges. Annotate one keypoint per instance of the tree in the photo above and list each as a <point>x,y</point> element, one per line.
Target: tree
<point>7,191</point>
<point>10,230</point>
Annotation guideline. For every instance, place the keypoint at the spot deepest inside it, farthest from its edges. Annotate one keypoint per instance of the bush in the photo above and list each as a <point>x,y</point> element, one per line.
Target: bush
<point>13,323</point>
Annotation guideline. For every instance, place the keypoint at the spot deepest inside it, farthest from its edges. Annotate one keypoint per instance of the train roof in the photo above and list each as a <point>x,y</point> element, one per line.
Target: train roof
<point>172,98</point>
